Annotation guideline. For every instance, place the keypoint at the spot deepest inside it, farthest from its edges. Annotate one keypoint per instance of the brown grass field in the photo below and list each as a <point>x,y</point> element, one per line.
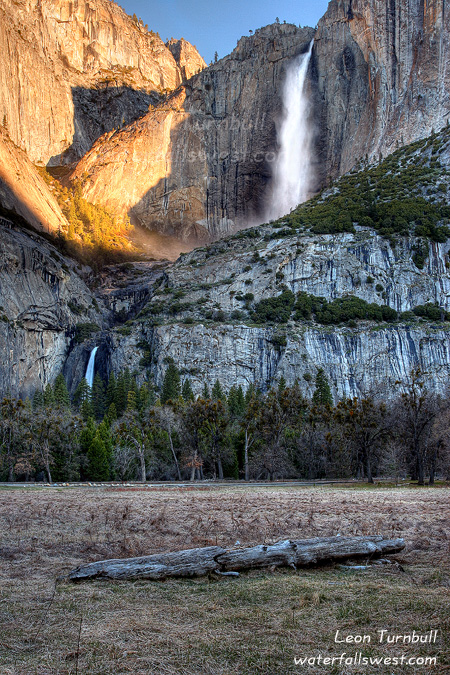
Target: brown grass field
<point>254,624</point>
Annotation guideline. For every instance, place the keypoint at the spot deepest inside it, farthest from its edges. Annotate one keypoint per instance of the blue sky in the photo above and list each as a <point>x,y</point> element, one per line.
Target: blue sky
<point>218,24</point>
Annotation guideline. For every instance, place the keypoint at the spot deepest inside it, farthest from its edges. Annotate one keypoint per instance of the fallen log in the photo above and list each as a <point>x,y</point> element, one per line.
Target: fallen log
<point>200,561</point>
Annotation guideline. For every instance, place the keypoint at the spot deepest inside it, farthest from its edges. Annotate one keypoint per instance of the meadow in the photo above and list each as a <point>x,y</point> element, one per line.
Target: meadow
<point>257,623</point>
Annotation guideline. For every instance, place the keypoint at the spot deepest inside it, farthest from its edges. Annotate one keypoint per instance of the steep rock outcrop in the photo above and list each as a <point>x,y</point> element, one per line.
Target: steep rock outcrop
<point>198,165</point>
<point>187,57</point>
<point>380,75</point>
<point>42,300</point>
<point>24,192</point>
<point>71,71</point>
<point>363,265</point>
<point>206,314</point>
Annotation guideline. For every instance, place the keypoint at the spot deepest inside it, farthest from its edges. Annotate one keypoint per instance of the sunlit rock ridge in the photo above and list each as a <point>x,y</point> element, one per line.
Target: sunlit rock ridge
<point>72,70</point>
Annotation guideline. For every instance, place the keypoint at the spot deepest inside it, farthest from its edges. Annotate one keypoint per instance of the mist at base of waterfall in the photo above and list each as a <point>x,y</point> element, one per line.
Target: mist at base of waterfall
<point>292,174</point>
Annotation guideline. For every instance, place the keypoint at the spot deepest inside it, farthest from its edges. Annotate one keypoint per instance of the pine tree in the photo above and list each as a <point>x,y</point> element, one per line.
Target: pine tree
<point>110,391</point>
<point>98,464</point>
<point>86,409</point>
<point>217,392</point>
<point>82,392</point>
<point>98,397</point>
<point>131,400</point>
<point>49,396</point>
<point>281,385</point>
<point>111,415</point>
<point>147,396</point>
<point>87,435</point>
<point>187,393</point>
<point>61,393</point>
<point>322,394</point>
<point>236,401</point>
<point>134,391</point>
<point>205,392</point>
<point>121,394</point>
<point>171,388</point>
<point>104,432</point>
<point>38,400</point>
<point>250,393</point>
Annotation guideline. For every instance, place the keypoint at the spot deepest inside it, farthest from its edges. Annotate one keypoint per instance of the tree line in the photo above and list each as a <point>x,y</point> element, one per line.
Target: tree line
<point>120,430</point>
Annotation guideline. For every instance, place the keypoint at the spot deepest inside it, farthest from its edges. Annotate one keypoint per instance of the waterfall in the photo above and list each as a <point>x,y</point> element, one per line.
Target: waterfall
<point>90,368</point>
<point>292,171</point>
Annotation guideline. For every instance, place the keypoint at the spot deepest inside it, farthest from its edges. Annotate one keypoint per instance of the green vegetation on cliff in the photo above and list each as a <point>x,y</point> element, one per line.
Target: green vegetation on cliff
<point>404,194</point>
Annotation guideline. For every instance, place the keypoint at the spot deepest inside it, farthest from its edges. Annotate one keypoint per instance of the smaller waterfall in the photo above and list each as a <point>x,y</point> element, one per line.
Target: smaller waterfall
<point>292,171</point>
<point>90,368</point>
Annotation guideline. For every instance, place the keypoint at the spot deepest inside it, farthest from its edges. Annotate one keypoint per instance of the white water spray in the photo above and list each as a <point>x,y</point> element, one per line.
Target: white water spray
<point>292,171</point>
<point>90,368</point>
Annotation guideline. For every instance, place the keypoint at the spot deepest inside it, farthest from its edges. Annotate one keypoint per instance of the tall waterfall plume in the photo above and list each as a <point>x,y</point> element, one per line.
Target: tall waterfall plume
<point>90,368</point>
<point>292,171</point>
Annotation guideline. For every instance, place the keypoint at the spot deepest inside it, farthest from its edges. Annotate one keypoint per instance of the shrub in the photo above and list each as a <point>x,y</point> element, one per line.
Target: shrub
<point>279,341</point>
<point>277,309</point>
<point>124,330</point>
<point>431,312</point>
<point>219,315</point>
<point>84,331</point>
<point>407,316</point>
<point>75,308</point>
<point>420,254</point>
<point>341,310</point>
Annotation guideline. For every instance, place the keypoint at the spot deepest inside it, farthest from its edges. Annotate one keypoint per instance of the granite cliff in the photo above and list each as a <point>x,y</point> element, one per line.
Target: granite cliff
<point>203,311</point>
<point>71,71</point>
<point>380,77</point>
<point>199,164</point>
<point>199,315</point>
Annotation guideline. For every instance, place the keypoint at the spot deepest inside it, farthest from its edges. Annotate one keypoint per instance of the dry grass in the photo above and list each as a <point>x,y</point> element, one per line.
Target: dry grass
<point>254,624</point>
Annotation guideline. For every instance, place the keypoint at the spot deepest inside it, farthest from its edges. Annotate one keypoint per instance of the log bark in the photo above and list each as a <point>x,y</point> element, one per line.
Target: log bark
<point>200,561</point>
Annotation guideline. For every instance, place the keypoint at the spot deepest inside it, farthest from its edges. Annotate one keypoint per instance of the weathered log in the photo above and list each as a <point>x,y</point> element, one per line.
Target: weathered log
<point>190,563</point>
<point>201,561</point>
